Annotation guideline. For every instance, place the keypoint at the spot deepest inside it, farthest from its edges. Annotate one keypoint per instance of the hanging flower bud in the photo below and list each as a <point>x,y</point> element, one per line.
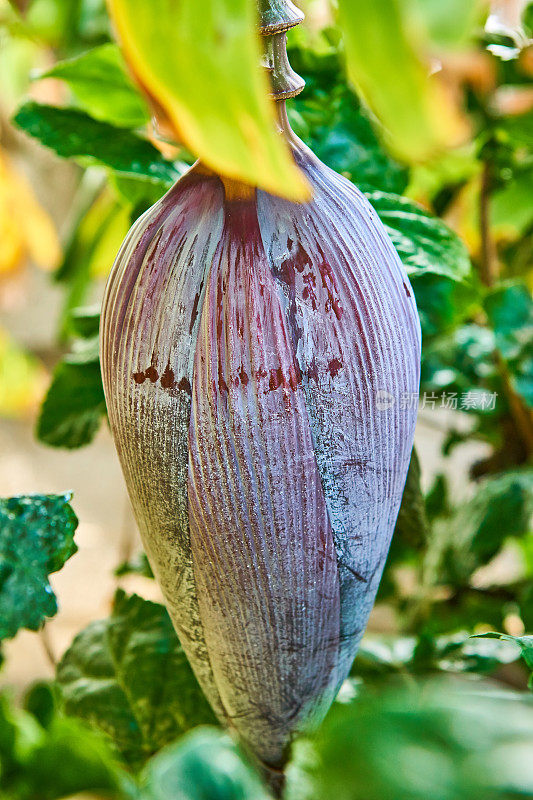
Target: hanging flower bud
<point>256,355</point>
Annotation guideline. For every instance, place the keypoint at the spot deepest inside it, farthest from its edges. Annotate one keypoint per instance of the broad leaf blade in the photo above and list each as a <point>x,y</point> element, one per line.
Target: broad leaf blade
<point>204,764</point>
<point>412,524</point>
<point>36,538</point>
<point>525,643</point>
<point>329,118</point>
<point>509,308</point>
<point>199,61</point>
<point>47,756</point>
<point>424,243</point>
<point>129,676</point>
<point>475,532</point>
<point>137,565</point>
<point>93,243</point>
<point>418,116</point>
<point>385,655</point>
<point>100,84</point>
<point>403,742</point>
<point>75,404</point>
<point>85,321</point>
<point>74,134</point>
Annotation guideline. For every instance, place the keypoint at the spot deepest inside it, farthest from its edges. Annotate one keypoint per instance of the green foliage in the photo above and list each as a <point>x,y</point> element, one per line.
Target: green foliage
<point>329,118</point>
<point>450,24</point>
<point>204,765</point>
<point>138,565</point>
<point>475,532</point>
<point>73,134</point>
<point>446,599</point>
<point>65,25</point>
<point>411,531</point>
<point>211,61</point>
<point>509,309</point>
<point>102,87</point>
<point>74,405</point>
<point>97,232</point>
<point>36,538</point>
<point>51,757</point>
<point>128,676</point>
<point>85,322</point>
<point>442,740</point>
<point>524,643</point>
<point>390,76</point>
<point>510,312</point>
<point>443,304</point>
<point>424,243</point>
<point>383,657</point>
<point>412,524</point>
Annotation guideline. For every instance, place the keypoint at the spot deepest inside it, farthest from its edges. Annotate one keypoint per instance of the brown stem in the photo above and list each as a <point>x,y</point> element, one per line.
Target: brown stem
<point>521,414</point>
<point>488,263</point>
<point>44,636</point>
<point>488,272</point>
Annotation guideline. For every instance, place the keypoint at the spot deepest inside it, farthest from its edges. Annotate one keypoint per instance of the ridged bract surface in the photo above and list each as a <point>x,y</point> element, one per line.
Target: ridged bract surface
<point>257,356</point>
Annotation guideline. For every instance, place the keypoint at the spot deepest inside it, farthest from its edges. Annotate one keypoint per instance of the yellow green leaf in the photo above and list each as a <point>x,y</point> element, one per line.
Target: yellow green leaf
<point>198,61</point>
<point>385,65</point>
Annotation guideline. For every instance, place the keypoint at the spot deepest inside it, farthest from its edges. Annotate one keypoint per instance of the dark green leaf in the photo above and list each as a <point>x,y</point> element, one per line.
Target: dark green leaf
<point>525,644</point>
<point>71,759</point>
<point>424,243</point>
<point>444,740</point>
<point>137,192</point>
<point>510,312</point>
<point>75,404</point>
<point>128,676</point>
<point>53,761</point>
<point>411,524</point>
<point>410,533</point>
<point>519,128</point>
<point>40,701</point>
<point>204,765</point>
<point>460,362</point>
<point>475,531</point>
<point>384,656</point>
<point>85,322</point>
<point>36,538</point>
<point>442,303</point>
<point>102,87</point>
<point>74,134</point>
<point>501,508</point>
<point>328,117</point>
<point>437,499</point>
<point>138,565</point>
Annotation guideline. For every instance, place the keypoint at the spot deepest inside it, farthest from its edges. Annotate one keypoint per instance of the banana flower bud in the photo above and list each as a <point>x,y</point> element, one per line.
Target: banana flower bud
<point>256,355</point>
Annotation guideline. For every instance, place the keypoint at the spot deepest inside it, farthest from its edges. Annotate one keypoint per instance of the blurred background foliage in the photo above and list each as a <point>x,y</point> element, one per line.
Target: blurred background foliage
<point>427,106</point>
